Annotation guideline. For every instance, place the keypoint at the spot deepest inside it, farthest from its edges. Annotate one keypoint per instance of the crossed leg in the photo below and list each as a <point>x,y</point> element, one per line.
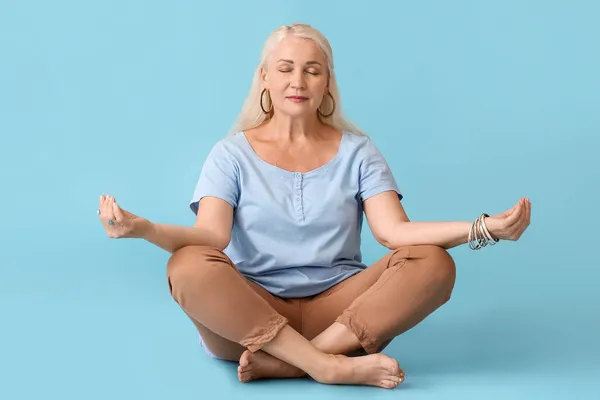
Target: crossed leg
<point>364,312</point>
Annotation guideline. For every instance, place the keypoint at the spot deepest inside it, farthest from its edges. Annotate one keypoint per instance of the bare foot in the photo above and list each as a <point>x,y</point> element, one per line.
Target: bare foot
<point>262,365</point>
<point>372,370</point>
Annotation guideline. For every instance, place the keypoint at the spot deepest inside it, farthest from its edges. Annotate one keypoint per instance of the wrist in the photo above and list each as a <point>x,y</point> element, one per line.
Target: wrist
<point>146,229</point>
<point>493,227</point>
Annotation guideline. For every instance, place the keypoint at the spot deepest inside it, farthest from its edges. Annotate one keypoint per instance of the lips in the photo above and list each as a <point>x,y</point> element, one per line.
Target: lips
<point>297,98</point>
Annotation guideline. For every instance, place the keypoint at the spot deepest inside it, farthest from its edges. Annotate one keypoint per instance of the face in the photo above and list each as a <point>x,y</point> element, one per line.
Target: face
<point>296,77</point>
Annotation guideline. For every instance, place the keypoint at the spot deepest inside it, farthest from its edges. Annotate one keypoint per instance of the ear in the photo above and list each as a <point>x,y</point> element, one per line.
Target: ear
<point>263,76</point>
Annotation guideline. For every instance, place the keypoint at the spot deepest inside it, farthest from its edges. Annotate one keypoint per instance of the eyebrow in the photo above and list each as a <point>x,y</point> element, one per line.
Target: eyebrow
<point>308,62</point>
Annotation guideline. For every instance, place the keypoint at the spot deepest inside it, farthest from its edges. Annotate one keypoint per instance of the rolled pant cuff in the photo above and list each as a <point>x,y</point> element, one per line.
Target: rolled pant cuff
<point>264,335</point>
<point>368,343</point>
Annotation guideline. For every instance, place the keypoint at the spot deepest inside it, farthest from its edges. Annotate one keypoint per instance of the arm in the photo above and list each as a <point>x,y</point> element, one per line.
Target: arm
<point>443,234</point>
<point>215,198</point>
<point>392,228</point>
<point>212,228</point>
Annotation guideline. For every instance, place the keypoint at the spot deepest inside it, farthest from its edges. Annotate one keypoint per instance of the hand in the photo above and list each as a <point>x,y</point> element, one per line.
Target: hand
<point>510,224</point>
<point>119,223</point>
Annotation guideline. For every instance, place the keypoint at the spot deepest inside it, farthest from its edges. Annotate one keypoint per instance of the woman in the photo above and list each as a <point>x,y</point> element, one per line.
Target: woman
<point>271,273</point>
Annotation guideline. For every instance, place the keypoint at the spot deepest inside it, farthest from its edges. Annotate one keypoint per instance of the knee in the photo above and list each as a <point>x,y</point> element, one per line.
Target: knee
<point>440,266</point>
<point>190,263</point>
<point>443,268</point>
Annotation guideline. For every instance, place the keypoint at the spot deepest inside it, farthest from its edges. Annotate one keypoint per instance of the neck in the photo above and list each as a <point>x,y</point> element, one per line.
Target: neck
<point>291,129</point>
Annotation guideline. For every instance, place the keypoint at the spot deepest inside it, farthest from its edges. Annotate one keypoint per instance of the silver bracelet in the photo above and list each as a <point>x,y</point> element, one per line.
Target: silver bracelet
<point>479,235</point>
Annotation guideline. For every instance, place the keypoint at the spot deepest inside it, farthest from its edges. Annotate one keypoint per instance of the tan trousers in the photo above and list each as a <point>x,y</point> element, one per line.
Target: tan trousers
<point>233,314</point>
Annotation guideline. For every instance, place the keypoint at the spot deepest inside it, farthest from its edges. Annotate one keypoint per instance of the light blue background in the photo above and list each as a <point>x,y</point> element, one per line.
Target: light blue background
<point>474,104</point>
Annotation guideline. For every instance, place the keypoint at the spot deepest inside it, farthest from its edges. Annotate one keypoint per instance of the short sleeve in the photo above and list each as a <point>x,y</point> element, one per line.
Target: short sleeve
<point>218,178</point>
<point>375,174</point>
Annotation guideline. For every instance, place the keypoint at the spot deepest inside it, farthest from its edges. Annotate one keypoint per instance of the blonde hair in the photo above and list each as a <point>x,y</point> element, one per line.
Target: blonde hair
<point>252,114</point>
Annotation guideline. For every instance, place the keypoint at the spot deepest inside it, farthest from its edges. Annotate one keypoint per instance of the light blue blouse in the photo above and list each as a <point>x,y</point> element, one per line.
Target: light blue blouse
<point>295,234</point>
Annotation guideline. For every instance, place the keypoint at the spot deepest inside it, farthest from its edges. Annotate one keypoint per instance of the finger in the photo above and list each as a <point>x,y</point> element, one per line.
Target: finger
<point>513,209</point>
<point>526,208</point>
<point>117,212</point>
<point>521,212</point>
<point>527,215</point>
<point>109,215</point>
<point>103,206</point>
<point>509,212</point>
<point>515,216</point>
<point>524,221</point>
<point>521,228</point>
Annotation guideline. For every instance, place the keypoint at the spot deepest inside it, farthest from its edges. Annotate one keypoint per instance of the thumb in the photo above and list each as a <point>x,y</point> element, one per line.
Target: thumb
<point>118,212</point>
<point>511,210</point>
<point>515,213</point>
<point>506,214</point>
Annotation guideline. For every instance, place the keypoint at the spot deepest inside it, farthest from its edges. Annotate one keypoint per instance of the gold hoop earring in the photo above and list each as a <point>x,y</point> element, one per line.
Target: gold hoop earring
<point>261,102</point>
<point>332,107</point>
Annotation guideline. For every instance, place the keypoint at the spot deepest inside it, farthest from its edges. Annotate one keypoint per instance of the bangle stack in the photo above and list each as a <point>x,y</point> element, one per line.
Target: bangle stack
<point>479,236</point>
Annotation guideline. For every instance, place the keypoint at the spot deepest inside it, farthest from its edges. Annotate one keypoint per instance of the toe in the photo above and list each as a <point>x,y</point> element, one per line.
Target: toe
<point>245,359</point>
<point>244,376</point>
<point>243,369</point>
<point>388,384</point>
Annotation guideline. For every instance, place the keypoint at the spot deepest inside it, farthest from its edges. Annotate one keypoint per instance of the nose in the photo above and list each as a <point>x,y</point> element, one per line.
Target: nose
<point>298,82</point>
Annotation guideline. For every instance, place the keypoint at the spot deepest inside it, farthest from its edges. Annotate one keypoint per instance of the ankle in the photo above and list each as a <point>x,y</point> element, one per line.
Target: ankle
<point>326,369</point>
